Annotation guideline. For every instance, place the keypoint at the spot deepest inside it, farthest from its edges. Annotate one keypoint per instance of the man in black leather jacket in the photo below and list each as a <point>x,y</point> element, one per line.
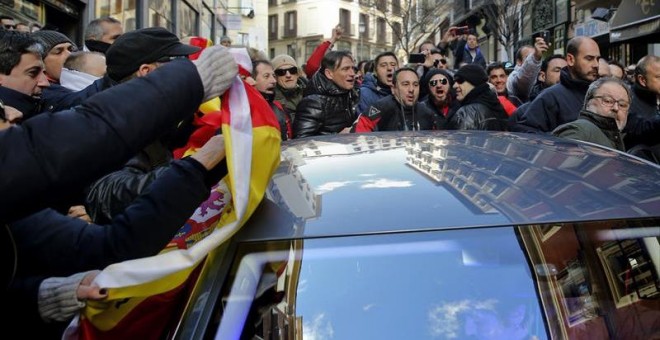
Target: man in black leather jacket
<point>400,111</point>
<point>329,103</point>
<point>479,109</point>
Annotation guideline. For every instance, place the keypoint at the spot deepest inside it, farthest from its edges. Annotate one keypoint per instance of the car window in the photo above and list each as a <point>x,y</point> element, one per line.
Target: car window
<point>441,284</point>
<point>577,281</point>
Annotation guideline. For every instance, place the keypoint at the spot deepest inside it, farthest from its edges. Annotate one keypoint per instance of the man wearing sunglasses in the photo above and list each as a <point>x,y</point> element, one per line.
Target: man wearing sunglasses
<point>603,115</point>
<point>290,86</point>
<point>8,23</point>
<point>441,99</point>
<point>479,107</point>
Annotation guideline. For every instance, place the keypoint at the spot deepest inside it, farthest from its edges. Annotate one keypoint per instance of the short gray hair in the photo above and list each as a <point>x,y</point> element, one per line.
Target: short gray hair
<point>94,29</point>
<point>598,83</point>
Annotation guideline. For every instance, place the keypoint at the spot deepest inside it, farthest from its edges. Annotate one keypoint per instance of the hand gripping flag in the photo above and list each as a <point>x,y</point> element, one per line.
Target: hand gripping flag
<point>144,294</point>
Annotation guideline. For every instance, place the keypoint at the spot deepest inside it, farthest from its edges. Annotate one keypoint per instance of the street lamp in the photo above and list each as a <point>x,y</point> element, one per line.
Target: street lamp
<point>361,28</point>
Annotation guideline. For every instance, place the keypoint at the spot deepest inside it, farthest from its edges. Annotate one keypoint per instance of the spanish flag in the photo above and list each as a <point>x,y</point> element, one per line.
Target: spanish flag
<point>145,295</point>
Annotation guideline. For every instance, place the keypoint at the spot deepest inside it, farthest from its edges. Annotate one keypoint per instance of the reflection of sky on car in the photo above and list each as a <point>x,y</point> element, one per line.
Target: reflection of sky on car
<point>412,199</point>
<point>448,284</point>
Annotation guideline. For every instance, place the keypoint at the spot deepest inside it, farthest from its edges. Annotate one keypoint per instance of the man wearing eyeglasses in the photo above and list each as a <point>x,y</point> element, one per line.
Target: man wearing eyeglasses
<point>290,86</point>
<point>441,99</point>
<point>7,22</point>
<point>603,115</point>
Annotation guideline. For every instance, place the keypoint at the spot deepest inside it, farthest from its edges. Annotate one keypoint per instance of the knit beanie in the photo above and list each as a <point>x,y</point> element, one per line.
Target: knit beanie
<point>432,72</point>
<point>50,39</point>
<point>283,60</point>
<point>472,73</point>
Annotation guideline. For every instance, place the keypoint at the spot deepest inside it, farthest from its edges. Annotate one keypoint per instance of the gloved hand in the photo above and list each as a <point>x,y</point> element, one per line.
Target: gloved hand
<point>217,68</point>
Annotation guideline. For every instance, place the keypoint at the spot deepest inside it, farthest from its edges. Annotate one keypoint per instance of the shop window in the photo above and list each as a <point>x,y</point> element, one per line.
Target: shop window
<point>160,14</point>
<point>121,10</point>
<point>188,19</point>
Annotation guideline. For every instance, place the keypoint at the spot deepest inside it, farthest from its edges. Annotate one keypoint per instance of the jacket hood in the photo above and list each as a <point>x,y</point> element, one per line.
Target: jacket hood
<point>322,85</point>
<point>567,80</point>
<point>28,105</point>
<point>372,83</point>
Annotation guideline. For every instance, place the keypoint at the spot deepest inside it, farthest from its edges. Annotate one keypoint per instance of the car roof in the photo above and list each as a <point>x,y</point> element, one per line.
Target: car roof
<point>352,184</point>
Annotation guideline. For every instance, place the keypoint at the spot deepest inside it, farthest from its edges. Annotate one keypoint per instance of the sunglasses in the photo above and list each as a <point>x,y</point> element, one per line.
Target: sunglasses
<point>281,72</point>
<point>442,81</point>
<point>9,27</point>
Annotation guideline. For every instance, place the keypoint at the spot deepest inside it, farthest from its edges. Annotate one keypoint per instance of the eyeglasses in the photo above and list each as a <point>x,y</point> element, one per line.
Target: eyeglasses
<point>443,81</point>
<point>170,58</point>
<point>281,72</point>
<point>609,102</point>
<point>10,27</point>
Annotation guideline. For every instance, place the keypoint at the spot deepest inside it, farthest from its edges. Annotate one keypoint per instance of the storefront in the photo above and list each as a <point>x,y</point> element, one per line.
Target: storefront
<point>65,15</point>
<point>635,30</point>
<point>183,17</point>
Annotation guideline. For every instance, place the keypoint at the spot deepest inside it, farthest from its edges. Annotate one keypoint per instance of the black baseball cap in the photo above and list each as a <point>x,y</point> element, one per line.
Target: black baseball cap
<point>143,46</point>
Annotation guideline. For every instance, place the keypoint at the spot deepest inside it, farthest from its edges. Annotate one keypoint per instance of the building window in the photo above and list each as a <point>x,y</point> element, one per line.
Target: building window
<point>272,26</point>
<point>381,26</point>
<point>364,20</point>
<point>290,24</point>
<point>271,53</point>
<point>188,21</point>
<point>345,21</point>
<point>396,7</point>
<point>207,23</point>
<point>381,5</point>
<point>310,46</point>
<point>121,10</point>
<point>272,2</point>
<point>396,33</point>
<point>160,14</point>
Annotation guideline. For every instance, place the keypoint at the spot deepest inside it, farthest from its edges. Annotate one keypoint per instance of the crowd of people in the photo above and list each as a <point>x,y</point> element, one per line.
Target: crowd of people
<point>87,135</point>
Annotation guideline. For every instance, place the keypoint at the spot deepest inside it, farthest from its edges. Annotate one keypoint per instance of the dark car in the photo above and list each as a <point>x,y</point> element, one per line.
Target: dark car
<point>447,235</point>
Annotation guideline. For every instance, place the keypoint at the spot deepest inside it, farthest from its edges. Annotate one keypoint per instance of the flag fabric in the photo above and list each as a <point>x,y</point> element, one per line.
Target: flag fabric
<point>145,294</point>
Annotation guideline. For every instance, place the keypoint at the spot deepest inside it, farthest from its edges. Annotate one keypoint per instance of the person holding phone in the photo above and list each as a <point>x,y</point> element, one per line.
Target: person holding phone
<point>528,66</point>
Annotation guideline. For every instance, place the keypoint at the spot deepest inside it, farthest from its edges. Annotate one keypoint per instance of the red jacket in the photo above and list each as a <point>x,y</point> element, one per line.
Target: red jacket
<point>314,62</point>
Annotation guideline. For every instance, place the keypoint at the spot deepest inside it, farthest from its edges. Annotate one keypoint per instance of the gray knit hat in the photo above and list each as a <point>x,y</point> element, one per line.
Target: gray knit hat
<point>50,39</point>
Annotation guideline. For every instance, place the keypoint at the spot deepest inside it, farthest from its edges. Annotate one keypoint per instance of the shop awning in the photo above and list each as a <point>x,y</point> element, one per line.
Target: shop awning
<point>634,19</point>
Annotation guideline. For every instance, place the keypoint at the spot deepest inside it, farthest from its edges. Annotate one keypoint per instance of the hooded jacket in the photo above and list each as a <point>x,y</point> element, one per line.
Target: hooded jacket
<point>371,91</point>
<point>556,105</point>
<point>326,109</point>
<point>594,128</point>
<point>479,110</point>
<point>463,55</point>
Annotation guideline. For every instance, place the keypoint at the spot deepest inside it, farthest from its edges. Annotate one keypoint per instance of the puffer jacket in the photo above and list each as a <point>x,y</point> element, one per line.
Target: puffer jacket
<point>590,127</point>
<point>326,109</point>
<point>479,110</point>
<point>556,105</point>
<point>371,91</point>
